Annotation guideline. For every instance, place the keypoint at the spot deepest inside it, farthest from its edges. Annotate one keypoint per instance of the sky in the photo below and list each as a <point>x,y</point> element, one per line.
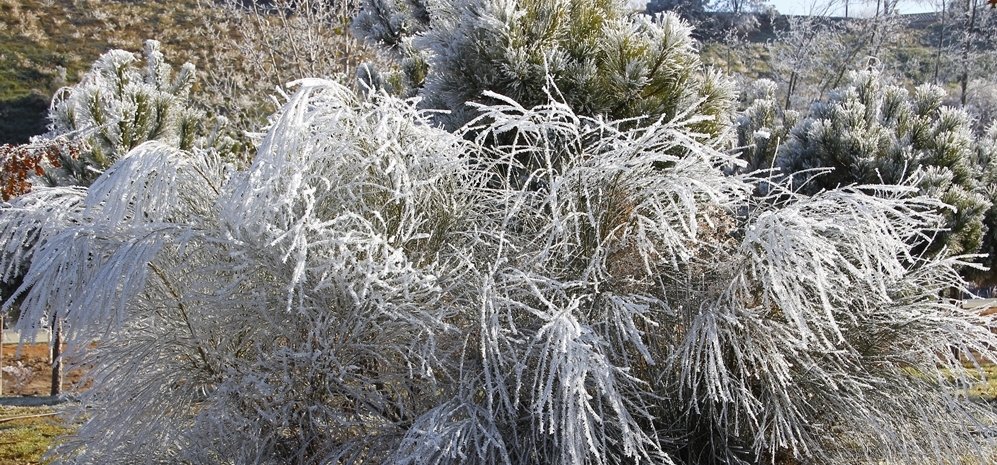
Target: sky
<point>854,9</point>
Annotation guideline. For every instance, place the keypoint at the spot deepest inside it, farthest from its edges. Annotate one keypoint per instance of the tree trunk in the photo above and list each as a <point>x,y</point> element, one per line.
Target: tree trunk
<point>866,41</point>
<point>56,357</point>
<point>790,88</point>
<point>970,25</point>
<point>941,42</point>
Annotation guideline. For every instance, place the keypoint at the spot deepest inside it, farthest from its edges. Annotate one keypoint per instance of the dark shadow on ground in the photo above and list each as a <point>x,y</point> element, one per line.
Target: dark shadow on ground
<point>32,401</point>
<point>22,118</point>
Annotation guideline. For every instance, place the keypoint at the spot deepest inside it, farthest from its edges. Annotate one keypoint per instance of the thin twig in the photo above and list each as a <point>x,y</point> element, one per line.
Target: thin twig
<point>22,417</point>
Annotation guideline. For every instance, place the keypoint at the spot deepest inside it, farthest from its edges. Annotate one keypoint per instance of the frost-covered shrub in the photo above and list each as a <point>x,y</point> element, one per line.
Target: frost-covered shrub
<point>335,265</point>
<point>263,45</point>
<point>390,22</point>
<point>986,157</point>
<point>604,58</point>
<point>121,103</point>
<point>873,132</point>
<point>982,102</point>
<point>118,105</point>
<point>762,127</point>
<point>377,290</point>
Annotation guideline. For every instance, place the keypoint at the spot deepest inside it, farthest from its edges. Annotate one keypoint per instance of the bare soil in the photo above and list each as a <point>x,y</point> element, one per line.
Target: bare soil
<point>34,378</point>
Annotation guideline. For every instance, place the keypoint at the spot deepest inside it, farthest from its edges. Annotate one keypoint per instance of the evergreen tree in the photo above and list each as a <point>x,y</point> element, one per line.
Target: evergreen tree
<point>390,22</point>
<point>119,104</point>
<point>986,157</point>
<point>603,59</point>
<point>873,132</point>
<point>762,127</point>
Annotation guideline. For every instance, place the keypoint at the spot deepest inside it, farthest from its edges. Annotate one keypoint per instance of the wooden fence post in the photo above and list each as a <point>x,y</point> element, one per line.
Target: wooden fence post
<point>57,356</point>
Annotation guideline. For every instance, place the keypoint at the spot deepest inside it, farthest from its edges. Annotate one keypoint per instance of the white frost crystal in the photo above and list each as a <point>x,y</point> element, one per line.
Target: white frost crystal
<point>558,290</point>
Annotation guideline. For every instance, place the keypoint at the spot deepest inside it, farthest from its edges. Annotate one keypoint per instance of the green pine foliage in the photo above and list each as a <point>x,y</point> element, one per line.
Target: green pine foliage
<point>986,157</point>
<point>120,104</point>
<point>762,127</point>
<point>390,23</point>
<point>874,132</point>
<point>603,59</point>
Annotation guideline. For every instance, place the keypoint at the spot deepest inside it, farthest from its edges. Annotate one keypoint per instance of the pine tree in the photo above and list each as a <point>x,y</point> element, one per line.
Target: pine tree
<point>390,22</point>
<point>119,104</point>
<point>986,158</point>
<point>603,59</point>
<point>873,132</point>
<point>762,127</point>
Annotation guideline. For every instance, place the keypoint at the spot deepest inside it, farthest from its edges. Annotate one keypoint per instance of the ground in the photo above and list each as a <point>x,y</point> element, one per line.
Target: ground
<point>25,439</point>
<point>28,372</point>
<point>27,427</point>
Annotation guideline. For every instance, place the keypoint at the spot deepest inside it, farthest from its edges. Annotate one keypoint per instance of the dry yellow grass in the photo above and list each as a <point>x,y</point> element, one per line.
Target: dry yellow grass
<point>25,440</point>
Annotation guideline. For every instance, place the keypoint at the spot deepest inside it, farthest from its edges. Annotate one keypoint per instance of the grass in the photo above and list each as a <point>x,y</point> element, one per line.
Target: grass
<point>748,59</point>
<point>46,44</point>
<point>25,441</point>
<point>986,388</point>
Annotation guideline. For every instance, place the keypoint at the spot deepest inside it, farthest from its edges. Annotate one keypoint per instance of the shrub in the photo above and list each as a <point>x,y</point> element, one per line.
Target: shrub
<point>363,293</point>
<point>553,282</point>
<point>872,132</point>
<point>604,60</point>
<point>762,127</point>
<point>118,105</point>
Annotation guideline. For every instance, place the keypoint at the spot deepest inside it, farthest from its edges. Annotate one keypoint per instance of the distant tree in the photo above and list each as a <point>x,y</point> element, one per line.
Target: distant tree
<point>981,103</point>
<point>269,44</point>
<point>691,10</point>
<point>803,53</point>
<point>977,44</point>
<point>699,10</point>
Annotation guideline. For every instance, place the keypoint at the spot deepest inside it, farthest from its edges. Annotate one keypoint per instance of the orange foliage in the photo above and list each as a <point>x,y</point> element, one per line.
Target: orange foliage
<point>19,162</point>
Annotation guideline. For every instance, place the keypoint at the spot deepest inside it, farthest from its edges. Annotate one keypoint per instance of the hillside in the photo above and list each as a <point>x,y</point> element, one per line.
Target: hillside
<point>45,44</point>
